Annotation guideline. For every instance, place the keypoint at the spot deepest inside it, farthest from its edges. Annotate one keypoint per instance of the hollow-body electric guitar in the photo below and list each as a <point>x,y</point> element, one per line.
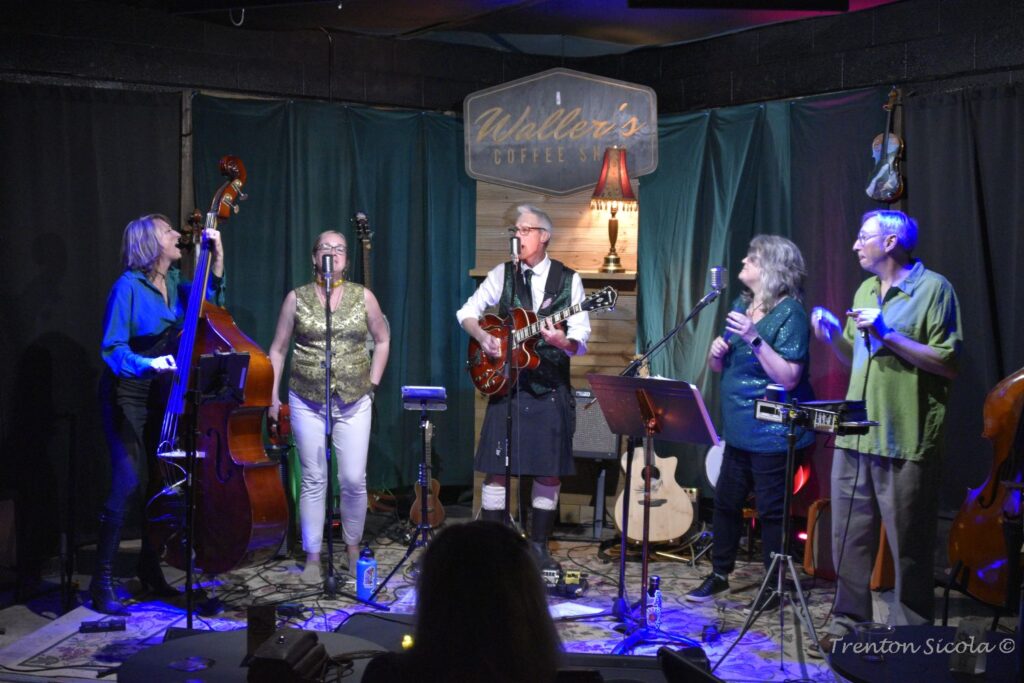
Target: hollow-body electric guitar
<point>488,373</point>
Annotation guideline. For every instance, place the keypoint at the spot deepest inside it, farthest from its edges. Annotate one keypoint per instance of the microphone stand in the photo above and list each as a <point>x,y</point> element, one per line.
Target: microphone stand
<point>510,330</point>
<point>620,606</point>
<point>331,581</point>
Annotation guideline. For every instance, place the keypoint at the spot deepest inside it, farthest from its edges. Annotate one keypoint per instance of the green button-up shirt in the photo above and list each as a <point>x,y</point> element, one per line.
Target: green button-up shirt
<point>908,403</point>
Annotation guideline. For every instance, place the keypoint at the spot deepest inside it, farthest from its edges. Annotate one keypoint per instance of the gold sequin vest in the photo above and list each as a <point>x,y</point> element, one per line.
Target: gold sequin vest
<point>350,369</point>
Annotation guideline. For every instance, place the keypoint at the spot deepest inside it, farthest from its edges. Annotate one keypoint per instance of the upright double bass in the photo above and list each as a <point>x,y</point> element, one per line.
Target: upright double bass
<point>240,509</point>
<point>980,542</point>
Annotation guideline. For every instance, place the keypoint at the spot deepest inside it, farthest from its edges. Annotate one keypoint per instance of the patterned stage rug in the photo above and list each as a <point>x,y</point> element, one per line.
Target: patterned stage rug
<point>770,651</point>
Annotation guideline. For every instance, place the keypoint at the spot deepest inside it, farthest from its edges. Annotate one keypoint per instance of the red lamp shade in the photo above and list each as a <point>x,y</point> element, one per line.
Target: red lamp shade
<point>613,188</point>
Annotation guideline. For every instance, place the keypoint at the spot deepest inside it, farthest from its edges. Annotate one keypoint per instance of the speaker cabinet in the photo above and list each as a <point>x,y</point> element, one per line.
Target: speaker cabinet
<point>593,439</point>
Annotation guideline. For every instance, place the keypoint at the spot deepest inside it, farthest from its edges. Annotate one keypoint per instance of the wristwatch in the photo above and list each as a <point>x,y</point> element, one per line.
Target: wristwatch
<point>756,342</point>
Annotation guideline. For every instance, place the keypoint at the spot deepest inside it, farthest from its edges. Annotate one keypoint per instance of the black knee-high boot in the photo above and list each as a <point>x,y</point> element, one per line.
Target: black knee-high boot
<point>150,573</point>
<point>492,515</point>
<point>104,599</point>
<point>543,521</point>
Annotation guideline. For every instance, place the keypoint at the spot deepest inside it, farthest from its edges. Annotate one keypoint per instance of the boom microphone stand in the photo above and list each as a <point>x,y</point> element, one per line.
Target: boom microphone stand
<point>719,277</point>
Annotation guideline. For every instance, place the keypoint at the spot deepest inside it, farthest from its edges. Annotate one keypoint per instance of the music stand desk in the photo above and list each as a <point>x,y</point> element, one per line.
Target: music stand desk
<point>682,416</point>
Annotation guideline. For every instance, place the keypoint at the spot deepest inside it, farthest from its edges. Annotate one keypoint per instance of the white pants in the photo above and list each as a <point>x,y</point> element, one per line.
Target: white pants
<point>350,436</point>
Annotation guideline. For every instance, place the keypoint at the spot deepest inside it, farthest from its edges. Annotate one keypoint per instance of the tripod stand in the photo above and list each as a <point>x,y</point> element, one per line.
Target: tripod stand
<point>423,399</point>
<point>781,562</point>
<point>674,411</point>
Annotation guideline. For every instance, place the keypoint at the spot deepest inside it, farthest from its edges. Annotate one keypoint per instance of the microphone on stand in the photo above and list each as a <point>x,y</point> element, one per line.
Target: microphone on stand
<point>514,246</point>
<point>719,278</point>
<point>327,272</point>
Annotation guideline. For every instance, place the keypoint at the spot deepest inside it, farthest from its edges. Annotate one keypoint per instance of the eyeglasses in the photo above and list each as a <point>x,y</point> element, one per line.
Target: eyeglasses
<point>863,237</point>
<point>334,248</point>
<point>523,230</point>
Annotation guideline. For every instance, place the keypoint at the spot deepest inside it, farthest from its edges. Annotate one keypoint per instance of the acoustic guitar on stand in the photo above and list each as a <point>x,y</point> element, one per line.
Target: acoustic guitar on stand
<point>435,511</point>
<point>488,374</point>
<point>671,507</point>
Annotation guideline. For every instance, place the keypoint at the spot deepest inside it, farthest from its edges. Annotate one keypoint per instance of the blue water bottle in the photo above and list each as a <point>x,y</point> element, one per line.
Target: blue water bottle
<point>366,573</point>
<point>654,604</point>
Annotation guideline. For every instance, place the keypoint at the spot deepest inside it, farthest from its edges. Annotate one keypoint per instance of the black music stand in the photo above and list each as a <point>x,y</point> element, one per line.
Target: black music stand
<point>644,407</point>
<point>220,377</point>
<point>422,399</point>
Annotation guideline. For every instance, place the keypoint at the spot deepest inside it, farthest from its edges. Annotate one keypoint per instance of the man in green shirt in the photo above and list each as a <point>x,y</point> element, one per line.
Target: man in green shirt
<point>901,341</point>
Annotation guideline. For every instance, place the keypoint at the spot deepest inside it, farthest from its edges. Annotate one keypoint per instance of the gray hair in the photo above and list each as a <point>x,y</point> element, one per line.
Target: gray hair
<point>895,223</point>
<point>782,270</point>
<point>140,245</point>
<point>543,218</point>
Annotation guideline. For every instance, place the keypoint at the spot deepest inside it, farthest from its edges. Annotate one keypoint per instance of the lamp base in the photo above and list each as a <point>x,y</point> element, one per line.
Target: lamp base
<point>612,264</point>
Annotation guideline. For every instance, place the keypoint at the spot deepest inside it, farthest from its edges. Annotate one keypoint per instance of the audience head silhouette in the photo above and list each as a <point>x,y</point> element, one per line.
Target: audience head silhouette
<point>482,614</point>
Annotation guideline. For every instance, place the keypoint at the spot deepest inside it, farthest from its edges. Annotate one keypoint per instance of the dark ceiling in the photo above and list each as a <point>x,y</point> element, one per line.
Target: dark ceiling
<point>570,28</point>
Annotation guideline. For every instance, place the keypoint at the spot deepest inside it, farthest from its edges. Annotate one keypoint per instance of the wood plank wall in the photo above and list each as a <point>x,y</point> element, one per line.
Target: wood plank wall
<point>580,240</point>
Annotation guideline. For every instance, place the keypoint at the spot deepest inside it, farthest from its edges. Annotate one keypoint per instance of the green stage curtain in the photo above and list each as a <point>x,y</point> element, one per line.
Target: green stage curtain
<point>311,166</point>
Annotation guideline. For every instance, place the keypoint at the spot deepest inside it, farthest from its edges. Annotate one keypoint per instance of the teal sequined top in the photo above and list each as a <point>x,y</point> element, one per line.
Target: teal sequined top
<point>787,330</point>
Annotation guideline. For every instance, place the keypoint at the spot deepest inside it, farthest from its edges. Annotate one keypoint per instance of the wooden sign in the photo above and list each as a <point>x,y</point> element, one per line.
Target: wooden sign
<point>547,133</point>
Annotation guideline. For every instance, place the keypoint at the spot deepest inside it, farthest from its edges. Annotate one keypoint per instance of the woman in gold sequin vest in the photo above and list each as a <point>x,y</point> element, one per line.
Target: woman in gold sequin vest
<point>354,376</point>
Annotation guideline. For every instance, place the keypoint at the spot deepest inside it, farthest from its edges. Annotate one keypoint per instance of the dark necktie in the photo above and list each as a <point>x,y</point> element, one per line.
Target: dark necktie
<point>526,297</point>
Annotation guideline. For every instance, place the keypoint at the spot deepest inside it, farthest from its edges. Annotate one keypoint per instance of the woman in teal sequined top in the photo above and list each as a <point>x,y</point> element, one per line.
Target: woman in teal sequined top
<point>766,341</point>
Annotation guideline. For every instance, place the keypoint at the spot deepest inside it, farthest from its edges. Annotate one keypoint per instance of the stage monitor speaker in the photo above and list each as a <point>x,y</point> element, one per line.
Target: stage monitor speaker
<point>593,439</point>
<point>388,631</point>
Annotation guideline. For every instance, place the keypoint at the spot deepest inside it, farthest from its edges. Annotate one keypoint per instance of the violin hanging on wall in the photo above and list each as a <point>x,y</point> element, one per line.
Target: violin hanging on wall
<point>886,184</point>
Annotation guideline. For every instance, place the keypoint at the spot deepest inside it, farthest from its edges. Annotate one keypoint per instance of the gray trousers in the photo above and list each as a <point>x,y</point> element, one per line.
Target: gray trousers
<point>867,490</point>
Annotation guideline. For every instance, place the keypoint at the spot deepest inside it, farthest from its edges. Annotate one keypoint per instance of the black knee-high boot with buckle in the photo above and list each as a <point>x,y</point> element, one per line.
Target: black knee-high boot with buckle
<point>101,589</point>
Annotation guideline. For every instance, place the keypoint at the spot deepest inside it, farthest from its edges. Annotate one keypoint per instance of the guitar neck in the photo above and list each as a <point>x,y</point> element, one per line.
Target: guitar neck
<point>366,265</point>
<point>533,330</point>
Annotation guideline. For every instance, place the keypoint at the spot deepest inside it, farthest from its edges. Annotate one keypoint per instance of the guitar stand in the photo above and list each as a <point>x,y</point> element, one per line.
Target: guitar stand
<point>423,399</point>
<point>781,562</point>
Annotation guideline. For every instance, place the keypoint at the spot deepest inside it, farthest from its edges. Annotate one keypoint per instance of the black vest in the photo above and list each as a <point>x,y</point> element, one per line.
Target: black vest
<point>553,370</point>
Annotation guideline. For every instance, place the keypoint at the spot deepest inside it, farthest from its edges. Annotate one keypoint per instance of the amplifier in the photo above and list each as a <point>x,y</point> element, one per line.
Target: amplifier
<point>593,439</point>
<point>826,417</point>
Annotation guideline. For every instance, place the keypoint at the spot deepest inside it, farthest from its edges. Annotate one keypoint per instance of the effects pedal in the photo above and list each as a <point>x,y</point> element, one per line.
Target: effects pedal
<point>102,625</point>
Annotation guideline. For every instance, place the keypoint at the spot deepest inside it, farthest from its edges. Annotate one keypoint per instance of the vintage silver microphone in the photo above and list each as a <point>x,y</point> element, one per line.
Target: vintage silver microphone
<point>719,278</point>
<point>327,272</point>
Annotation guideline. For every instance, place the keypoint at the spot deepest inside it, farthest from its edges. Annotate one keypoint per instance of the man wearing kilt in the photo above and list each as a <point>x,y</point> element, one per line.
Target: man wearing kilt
<point>543,406</point>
